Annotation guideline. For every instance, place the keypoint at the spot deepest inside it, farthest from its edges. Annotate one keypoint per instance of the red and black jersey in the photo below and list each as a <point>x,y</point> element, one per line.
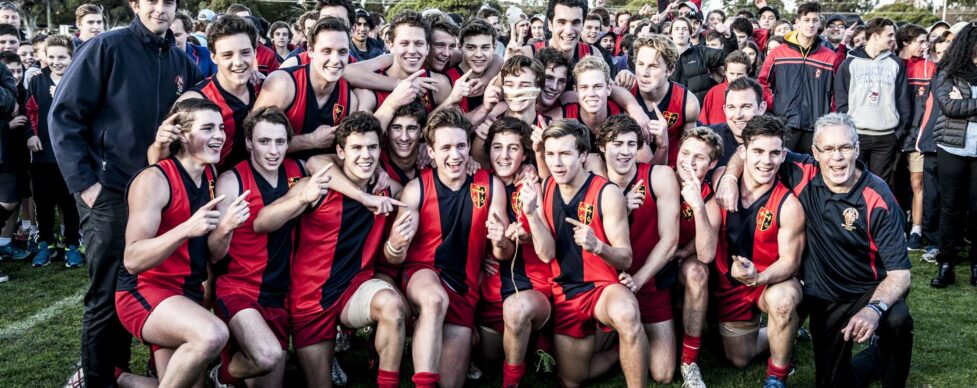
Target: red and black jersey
<point>259,263</point>
<point>337,241</point>
<point>751,232</point>
<point>572,111</point>
<point>528,272</point>
<point>919,73</point>
<point>576,271</point>
<point>427,98</point>
<point>305,114</point>
<point>233,111</point>
<point>686,217</point>
<point>672,107</point>
<point>186,268</point>
<point>267,59</point>
<point>644,230</point>
<point>467,103</point>
<point>451,236</point>
<point>395,172</point>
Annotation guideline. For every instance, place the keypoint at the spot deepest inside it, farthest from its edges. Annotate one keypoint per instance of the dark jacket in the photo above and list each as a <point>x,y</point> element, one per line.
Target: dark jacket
<point>201,56</point>
<point>951,126</point>
<point>697,62</point>
<point>880,101</point>
<point>112,99</point>
<point>919,73</point>
<point>800,81</point>
<point>8,137</point>
<point>40,94</point>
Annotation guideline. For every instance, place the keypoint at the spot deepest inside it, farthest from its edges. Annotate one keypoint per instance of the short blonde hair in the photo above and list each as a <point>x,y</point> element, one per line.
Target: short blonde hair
<point>663,45</point>
<point>85,10</point>
<point>591,62</point>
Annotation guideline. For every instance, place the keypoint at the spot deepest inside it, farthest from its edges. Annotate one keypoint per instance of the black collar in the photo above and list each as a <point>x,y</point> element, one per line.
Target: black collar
<point>854,195</point>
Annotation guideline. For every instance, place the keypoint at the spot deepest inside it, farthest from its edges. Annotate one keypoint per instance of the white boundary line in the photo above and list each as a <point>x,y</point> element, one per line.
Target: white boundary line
<point>22,326</point>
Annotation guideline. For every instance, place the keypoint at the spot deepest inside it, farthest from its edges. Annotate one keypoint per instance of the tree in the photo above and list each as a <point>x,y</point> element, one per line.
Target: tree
<point>904,12</point>
<point>465,8</point>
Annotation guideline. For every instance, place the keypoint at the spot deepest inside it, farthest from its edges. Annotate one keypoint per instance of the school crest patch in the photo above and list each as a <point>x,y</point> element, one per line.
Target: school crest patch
<point>851,216</point>
<point>764,219</point>
<point>478,195</point>
<point>585,213</point>
<point>338,113</point>
<point>292,181</point>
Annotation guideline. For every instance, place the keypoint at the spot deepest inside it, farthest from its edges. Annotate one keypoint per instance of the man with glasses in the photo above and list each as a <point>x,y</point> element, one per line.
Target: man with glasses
<point>834,31</point>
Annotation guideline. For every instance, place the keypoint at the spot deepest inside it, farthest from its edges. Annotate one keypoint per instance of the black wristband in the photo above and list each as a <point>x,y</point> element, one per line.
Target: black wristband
<point>875,308</point>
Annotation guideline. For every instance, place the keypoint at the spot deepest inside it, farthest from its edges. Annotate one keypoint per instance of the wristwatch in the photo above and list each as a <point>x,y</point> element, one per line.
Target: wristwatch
<point>879,306</point>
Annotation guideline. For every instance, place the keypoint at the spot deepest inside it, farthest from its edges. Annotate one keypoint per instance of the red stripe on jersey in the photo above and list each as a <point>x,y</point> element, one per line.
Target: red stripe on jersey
<point>212,93</point>
<point>296,111</point>
<point>686,219</point>
<point>674,113</point>
<point>765,247</point>
<point>872,201</point>
<point>644,219</point>
<point>528,266</point>
<point>571,278</point>
<point>248,250</point>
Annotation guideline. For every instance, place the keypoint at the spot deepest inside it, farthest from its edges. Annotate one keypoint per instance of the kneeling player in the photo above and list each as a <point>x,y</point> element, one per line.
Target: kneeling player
<point>516,296</point>
<point>251,295</point>
<point>579,225</point>
<point>452,213</point>
<point>171,210</point>
<point>653,204</point>
<point>763,242</point>
<point>332,272</point>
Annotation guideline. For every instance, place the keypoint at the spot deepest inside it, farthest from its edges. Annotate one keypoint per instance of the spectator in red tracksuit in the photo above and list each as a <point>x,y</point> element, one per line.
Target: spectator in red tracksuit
<point>737,65</point>
<point>800,78</point>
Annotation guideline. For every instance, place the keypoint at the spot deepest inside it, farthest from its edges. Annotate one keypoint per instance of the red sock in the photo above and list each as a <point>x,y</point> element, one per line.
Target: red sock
<point>779,372</point>
<point>426,379</point>
<point>224,374</point>
<point>388,379</point>
<point>690,349</point>
<point>118,373</point>
<point>512,374</point>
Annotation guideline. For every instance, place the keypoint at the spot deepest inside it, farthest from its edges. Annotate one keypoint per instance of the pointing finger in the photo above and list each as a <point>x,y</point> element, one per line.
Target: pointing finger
<point>213,202</point>
<point>575,222</point>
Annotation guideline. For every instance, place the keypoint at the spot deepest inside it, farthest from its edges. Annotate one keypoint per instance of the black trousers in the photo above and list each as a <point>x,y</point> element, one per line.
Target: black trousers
<point>881,156</point>
<point>958,193</point>
<point>833,361</point>
<point>50,193</point>
<point>105,344</point>
<point>931,199</point>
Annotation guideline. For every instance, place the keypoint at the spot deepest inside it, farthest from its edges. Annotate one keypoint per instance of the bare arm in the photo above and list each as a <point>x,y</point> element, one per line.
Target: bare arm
<point>618,253</point>
<point>667,200</point>
<point>305,193</point>
<point>364,74</point>
<point>543,241</point>
<point>408,218</point>
<point>707,220</point>
<point>502,248</point>
<point>790,243</point>
<point>219,241</point>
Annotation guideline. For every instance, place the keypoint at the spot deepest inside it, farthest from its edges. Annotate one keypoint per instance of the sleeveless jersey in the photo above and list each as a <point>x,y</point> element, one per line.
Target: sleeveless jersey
<point>752,232</point>
<point>427,98</point>
<point>576,271</point>
<point>186,268</point>
<point>338,240</point>
<point>259,263</point>
<point>528,272</point>
<point>233,111</point>
<point>451,236</point>
<point>672,107</point>
<point>572,111</point>
<point>644,231</point>
<point>395,173</point>
<point>686,218</point>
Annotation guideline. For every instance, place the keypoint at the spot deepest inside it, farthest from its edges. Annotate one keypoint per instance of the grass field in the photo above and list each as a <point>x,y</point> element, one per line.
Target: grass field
<point>41,310</point>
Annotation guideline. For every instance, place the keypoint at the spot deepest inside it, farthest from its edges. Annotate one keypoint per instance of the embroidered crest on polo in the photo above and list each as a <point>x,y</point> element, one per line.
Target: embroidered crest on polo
<point>851,216</point>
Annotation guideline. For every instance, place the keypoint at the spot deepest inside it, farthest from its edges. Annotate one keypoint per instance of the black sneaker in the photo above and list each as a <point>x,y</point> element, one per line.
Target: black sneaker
<point>914,242</point>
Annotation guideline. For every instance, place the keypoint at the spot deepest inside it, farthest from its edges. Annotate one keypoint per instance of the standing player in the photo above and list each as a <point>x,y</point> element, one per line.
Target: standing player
<point>160,286</point>
<point>579,225</point>
<point>332,274</point>
<point>699,222</point>
<point>232,40</point>
<point>251,295</point>
<point>315,97</point>
<point>655,59</point>
<point>653,204</point>
<point>762,243</point>
<point>451,212</point>
<point>505,319</point>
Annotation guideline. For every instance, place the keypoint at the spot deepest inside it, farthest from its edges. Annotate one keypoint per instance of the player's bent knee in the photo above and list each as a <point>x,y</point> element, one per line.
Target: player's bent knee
<point>695,274</point>
<point>393,309</point>
<point>268,358</point>
<point>662,377</point>
<point>210,337</point>
<point>433,303</point>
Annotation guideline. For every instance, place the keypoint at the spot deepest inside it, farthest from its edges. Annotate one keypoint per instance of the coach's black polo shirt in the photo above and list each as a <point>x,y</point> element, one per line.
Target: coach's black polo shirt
<point>729,143</point>
<point>853,238</point>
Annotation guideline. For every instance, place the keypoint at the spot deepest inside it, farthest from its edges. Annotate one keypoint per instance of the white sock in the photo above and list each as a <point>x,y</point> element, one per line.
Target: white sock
<point>4,241</point>
<point>917,229</point>
<point>25,224</point>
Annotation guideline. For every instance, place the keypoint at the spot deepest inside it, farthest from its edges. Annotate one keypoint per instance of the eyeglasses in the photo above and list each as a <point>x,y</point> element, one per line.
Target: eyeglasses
<point>845,150</point>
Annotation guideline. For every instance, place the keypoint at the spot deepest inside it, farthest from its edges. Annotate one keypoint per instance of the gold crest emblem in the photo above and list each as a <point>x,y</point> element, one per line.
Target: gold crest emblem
<point>641,189</point>
<point>292,181</point>
<point>671,117</point>
<point>478,196</point>
<point>337,113</point>
<point>212,187</point>
<point>764,219</point>
<point>515,202</point>
<point>585,213</point>
<point>851,215</point>
<point>686,211</point>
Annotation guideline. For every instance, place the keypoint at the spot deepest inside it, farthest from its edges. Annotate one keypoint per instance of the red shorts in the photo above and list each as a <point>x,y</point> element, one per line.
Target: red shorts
<point>382,267</point>
<point>575,317</point>
<point>737,302</point>
<point>655,305</point>
<point>490,315</point>
<point>319,325</point>
<point>133,307</point>
<point>461,308</point>
<point>276,317</point>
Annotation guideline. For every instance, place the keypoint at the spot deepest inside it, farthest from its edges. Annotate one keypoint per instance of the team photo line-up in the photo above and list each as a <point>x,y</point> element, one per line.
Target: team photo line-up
<point>597,189</point>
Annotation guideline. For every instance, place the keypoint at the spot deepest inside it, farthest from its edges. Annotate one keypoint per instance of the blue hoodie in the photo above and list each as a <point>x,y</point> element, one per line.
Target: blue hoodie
<point>106,110</point>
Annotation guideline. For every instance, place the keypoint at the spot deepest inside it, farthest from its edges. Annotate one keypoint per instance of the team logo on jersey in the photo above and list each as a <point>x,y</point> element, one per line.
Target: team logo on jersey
<point>426,99</point>
<point>292,181</point>
<point>641,189</point>
<point>585,213</point>
<point>337,113</point>
<point>817,74</point>
<point>179,84</point>
<point>873,97</point>
<point>921,92</point>
<point>52,89</point>
<point>764,219</point>
<point>671,117</point>
<point>515,202</point>
<point>478,196</point>
<point>686,211</point>
<point>211,186</point>
<point>851,215</point>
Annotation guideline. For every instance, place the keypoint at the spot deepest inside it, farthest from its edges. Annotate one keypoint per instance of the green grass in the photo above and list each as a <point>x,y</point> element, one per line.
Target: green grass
<point>944,353</point>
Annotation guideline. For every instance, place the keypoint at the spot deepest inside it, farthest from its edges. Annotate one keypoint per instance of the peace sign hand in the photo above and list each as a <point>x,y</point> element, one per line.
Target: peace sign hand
<point>237,213</point>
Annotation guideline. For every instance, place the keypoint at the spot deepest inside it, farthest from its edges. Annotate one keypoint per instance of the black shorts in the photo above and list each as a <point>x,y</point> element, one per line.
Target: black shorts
<point>9,187</point>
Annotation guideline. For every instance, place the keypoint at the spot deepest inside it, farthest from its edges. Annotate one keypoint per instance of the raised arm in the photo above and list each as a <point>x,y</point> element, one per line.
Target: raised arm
<point>305,193</point>
<point>543,241</point>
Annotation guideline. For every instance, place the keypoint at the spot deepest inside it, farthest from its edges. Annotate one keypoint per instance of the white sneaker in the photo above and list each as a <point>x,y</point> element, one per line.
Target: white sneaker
<point>214,377</point>
<point>691,376</point>
<point>474,373</point>
<point>339,377</point>
<point>930,255</point>
<point>343,342</point>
